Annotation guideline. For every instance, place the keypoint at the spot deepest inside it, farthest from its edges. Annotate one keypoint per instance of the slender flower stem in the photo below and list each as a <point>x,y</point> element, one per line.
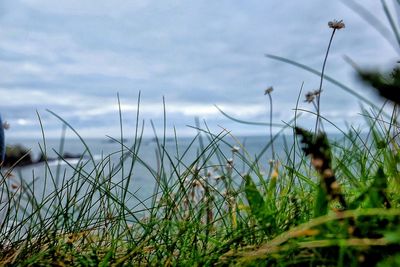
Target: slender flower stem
<point>317,123</point>
<point>270,126</point>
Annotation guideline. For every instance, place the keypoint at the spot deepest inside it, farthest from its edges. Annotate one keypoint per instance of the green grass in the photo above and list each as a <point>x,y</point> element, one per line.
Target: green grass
<point>323,203</point>
<point>220,208</point>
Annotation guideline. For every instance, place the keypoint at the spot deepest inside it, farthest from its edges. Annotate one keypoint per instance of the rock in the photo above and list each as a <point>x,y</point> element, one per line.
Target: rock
<point>43,158</point>
<point>67,155</point>
<point>17,155</point>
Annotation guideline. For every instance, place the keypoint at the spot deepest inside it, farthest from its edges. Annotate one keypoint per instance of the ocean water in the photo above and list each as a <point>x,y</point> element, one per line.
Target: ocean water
<point>42,179</point>
<point>107,153</point>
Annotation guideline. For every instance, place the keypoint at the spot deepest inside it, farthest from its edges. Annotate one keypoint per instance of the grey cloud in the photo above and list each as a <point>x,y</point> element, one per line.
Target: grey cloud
<point>188,51</point>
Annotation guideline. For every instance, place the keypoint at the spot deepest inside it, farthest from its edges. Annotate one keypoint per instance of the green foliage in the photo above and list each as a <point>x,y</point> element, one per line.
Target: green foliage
<point>317,146</point>
<point>323,203</point>
<point>262,210</point>
<point>256,201</point>
<point>387,86</point>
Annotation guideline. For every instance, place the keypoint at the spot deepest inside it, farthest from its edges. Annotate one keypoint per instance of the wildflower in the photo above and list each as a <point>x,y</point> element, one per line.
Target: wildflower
<point>195,170</point>
<point>187,180</point>
<point>205,199</point>
<point>235,149</point>
<point>14,186</point>
<point>197,183</point>
<point>228,167</point>
<point>335,186</point>
<point>268,90</point>
<point>318,163</point>
<point>229,164</point>
<point>310,96</point>
<point>327,173</point>
<point>336,25</point>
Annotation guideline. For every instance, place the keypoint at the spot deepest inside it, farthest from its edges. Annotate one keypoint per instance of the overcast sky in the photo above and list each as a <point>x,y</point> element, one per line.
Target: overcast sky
<point>74,56</point>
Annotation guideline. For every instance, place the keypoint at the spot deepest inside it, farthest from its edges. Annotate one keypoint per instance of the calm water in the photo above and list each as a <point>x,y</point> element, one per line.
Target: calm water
<point>143,181</point>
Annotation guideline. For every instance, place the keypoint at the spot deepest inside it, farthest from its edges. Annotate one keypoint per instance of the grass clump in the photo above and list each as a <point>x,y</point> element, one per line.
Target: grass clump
<point>322,202</point>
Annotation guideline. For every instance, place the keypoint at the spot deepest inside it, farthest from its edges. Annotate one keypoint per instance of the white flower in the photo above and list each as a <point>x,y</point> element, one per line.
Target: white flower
<point>235,149</point>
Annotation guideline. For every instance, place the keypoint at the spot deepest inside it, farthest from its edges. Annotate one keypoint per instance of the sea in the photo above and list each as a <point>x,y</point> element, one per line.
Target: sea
<point>108,154</point>
<point>39,181</point>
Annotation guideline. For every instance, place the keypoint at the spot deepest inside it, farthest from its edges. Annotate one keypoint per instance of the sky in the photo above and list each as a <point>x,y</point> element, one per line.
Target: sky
<point>74,57</point>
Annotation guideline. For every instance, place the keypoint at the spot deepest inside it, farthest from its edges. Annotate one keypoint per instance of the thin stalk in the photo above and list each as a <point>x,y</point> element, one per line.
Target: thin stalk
<point>329,79</point>
<point>372,20</point>
<point>391,21</point>
<point>270,126</point>
<point>320,84</point>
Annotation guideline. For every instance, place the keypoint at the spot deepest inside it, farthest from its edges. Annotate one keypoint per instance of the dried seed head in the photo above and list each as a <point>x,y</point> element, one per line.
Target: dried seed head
<point>327,173</point>
<point>310,96</point>
<point>229,167</point>
<point>14,186</point>
<point>235,149</point>
<point>197,183</point>
<point>335,24</point>
<point>317,163</point>
<point>335,186</point>
<point>268,90</point>
<point>229,164</point>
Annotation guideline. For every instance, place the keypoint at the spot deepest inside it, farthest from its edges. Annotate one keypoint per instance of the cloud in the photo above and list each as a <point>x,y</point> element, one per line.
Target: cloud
<point>74,56</point>
<point>88,7</point>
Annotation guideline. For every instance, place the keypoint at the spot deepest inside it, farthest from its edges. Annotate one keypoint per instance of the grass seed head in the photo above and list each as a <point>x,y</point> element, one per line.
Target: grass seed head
<point>310,96</point>
<point>336,24</point>
<point>235,149</point>
<point>268,90</point>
